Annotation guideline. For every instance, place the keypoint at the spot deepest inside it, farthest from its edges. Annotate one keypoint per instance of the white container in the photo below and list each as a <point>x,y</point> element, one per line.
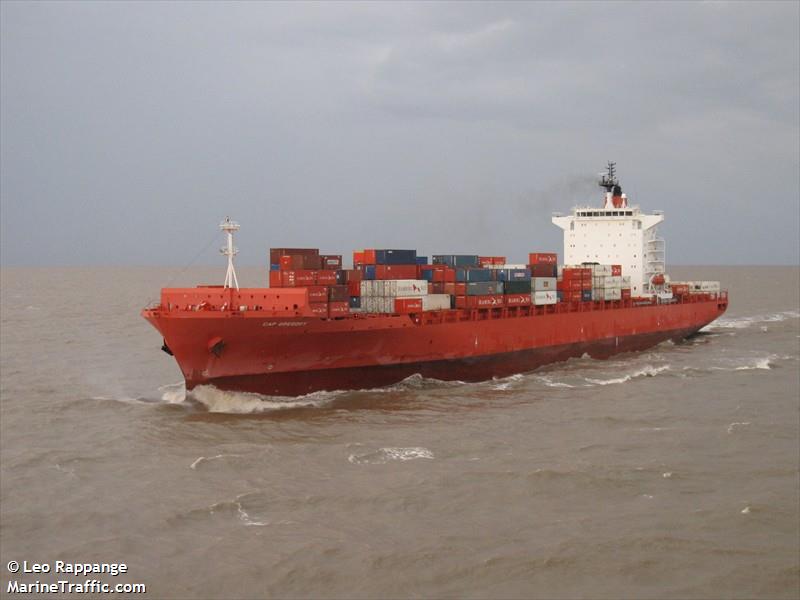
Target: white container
<point>436,302</point>
<point>601,270</point>
<point>626,281</point>
<point>393,288</point>
<point>543,284</point>
<point>613,282</point>
<point>540,298</point>
<point>709,286</point>
<point>615,294</point>
<point>598,294</point>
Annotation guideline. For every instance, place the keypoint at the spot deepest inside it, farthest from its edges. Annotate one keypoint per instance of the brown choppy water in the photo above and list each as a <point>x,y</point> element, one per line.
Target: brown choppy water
<point>671,473</point>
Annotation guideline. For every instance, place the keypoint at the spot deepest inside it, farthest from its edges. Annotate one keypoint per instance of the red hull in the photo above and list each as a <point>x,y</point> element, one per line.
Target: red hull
<point>290,356</point>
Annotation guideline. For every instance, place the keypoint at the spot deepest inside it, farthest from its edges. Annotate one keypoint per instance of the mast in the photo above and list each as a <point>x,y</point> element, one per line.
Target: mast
<point>229,227</point>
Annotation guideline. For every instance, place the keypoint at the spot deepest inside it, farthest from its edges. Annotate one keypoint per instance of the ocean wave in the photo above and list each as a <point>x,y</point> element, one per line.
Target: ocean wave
<point>384,455</point>
<point>647,371</point>
<point>505,383</point>
<point>236,506</point>
<point>201,459</point>
<point>243,403</point>
<point>749,321</point>
<point>173,393</point>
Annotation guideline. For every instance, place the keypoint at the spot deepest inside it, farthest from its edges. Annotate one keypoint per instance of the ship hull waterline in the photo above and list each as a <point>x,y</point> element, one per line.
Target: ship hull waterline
<point>294,357</point>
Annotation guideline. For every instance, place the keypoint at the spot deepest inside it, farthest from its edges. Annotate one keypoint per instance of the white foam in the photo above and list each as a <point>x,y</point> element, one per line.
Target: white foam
<point>550,383</point>
<point>749,321</point>
<point>173,393</point>
<point>647,371</point>
<point>200,459</point>
<point>243,516</point>
<point>733,426</point>
<point>506,382</point>
<point>384,455</point>
<point>746,510</point>
<point>667,475</point>
<point>221,401</point>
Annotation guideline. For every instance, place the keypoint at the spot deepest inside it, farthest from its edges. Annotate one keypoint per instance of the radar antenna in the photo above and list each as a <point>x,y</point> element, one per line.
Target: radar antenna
<point>609,180</point>
<point>229,227</point>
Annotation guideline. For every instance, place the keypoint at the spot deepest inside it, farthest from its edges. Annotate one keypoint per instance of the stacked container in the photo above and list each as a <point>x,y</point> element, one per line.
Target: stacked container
<point>322,274</point>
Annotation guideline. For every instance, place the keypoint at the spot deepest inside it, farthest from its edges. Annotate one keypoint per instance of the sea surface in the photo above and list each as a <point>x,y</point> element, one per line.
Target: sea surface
<point>670,473</point>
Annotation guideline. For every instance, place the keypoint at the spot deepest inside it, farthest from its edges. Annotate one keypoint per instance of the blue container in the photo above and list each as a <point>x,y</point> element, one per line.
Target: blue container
<point>369,272</point>
<point>513,274</point>
<point>474,274</point>
<point>274,267</point>
<point>426,274</point>
<point>560,296</point>
<point>586,295</point>
<point>456,260</point>
<point>396,257</point>
<point>422,260</point>
<point>484,288</point>
<point>355,302</point>
<point>517,287</point>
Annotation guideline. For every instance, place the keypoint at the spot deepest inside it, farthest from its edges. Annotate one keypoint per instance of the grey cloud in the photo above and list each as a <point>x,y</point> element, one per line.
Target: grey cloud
<point>129,130</point>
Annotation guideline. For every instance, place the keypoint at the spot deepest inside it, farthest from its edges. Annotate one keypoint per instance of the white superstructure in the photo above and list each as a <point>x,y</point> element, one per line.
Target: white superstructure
<point>616,234</point>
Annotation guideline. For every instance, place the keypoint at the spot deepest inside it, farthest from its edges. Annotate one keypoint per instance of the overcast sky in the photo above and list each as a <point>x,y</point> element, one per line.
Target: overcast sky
<point>128,130</point>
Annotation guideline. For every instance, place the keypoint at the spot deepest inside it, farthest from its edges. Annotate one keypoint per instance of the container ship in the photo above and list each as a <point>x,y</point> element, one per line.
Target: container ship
<point>394,313</point>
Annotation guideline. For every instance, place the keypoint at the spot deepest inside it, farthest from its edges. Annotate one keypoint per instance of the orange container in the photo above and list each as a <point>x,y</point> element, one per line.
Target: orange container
<point>338,309</point>
<point>275,279</point>
<point>299,278</point>
<point>407,305</point>
<point>542,258</point>
<point>317,293</point>
<point>395,271</point>
<point>320,309</point>
<point>326,277</point>
<point>517,299</point>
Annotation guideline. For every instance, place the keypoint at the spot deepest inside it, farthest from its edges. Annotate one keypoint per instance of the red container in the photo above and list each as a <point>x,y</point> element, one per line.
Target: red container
<point>338,309</point>
<point>395,271</point>
<point>407,305</point>
<point>299,278</point>
<point>517,299</point>
<point>485,261</point>
<point>616,270</point>
<point>369,257</point>
<point>460,289</point>
<point>317,293</point>
<point>354,274</point>
<point>319,308</point>
<point>287,263</point>
<point>586,284</point>
<point>358,258</point>
<point>542,258</point>
<point>626,293</point>
<point>441,273</point>
<point>326,277</point>
<point>275,279</point>
<point>276,253</point>
<point>354,288</point>
<point>543,270</point>
<point>437,288</point>
<point>338,293</point>
<point>493,301</point>
<point>330,262</point>
<point>450,288</point>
